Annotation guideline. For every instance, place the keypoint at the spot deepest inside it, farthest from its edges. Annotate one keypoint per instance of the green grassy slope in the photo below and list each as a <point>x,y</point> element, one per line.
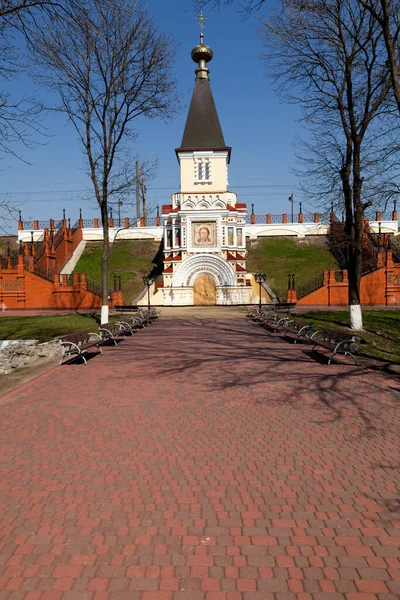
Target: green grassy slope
<point>4,239</point>
<point>129,259</point>
<point>45,328</point>
<point>279,257</point>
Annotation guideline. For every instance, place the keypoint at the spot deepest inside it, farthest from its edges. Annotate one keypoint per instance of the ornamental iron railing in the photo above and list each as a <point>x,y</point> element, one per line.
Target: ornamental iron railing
<point>42,272</point>
<point>94,287</point>
<point>310,286</point>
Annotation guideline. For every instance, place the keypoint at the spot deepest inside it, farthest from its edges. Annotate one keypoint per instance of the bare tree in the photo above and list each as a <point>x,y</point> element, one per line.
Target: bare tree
<point>329,57</point>
<point>385,12</point>
<point>110,65</point>
<point>19,124</point>
<point>246,7</point>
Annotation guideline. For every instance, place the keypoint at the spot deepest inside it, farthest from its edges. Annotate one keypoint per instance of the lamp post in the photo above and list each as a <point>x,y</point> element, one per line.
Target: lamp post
<point>147,280</point>
<point>120,203</point>
<point>260,278</point>
<point>291,200</point>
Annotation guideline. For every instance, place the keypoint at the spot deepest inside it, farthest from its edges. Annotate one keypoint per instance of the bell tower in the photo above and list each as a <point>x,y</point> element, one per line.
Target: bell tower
<point>204,226</point>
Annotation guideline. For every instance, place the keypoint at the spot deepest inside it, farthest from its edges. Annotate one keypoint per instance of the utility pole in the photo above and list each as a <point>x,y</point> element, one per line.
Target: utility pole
<point>143,190</point>
<point>137,192</point>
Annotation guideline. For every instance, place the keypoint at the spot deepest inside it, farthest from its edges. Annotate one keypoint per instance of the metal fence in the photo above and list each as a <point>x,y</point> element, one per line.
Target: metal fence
<point>310,286</point>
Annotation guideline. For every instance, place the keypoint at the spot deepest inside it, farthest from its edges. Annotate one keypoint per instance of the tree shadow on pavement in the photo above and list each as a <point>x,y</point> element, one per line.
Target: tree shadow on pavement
<point>248,361</point>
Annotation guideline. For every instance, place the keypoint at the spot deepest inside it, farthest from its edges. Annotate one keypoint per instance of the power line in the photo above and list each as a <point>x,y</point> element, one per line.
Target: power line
<point>149,189</point>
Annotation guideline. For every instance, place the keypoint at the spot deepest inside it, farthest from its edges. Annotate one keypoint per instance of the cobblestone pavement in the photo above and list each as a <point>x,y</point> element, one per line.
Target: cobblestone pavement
<point>201,460</point>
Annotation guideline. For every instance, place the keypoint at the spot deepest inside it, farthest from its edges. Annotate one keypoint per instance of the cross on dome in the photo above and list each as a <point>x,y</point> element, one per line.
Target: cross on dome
<point>200,18</point>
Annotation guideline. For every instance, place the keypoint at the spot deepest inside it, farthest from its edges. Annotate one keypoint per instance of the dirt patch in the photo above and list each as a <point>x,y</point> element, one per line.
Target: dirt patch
<point>20,376</point>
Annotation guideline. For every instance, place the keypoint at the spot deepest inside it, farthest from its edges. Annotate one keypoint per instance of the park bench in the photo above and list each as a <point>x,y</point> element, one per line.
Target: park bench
<point>126,308</point>
<point>112,332</point>
<point>147,317</point>
<point>78,343</point>
<point>129,328</point>
<point>337,342</point>
<point>300,328</point>
<point>274,322</point>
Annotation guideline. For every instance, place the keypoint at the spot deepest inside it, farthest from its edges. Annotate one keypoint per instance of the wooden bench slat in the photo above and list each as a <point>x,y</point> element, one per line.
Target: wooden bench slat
<point>76,344</point>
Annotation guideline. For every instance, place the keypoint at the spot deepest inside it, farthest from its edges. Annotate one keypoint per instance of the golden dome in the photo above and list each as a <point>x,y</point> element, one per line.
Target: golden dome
<point>202,52</point>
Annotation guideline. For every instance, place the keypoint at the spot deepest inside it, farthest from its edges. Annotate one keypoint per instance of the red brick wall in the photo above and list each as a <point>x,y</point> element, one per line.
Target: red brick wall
<point>373,290</point>
<point>31,291</point>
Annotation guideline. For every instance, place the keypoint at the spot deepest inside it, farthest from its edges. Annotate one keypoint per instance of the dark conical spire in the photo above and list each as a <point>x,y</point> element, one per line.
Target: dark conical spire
<point>202,130</point>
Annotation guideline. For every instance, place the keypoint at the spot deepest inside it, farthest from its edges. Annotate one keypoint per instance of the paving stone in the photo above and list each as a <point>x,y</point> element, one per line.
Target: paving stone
<point>202,459</point>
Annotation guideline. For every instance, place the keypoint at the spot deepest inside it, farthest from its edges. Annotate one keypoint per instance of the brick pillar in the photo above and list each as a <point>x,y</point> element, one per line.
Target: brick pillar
<point>96,223</point>
<point>51,223</point>
<point>268,219</point>
<point>332,279</point>
<point>158,221</point>
<point>326,276</point>
<point>253,219</point>
<point>83,281</point>
<point>300,219</point>
<point>380,260</point>
<point>126,223</point>
<point>76,279</point>
<point>20,267</point>
<point>389,260</point>
<point>345,276</point>
<point>378,216</point>
<point>36,225</point>
<point>141,222</point>
<point>115,298</point>
<point>111,223</point>
<point>394,215</point>
<point>284,218</point>
<point>20,225</point>
<point>316,217</point>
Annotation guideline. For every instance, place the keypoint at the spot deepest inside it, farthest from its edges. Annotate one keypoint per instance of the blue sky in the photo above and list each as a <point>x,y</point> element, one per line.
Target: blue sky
<point>255,123</point>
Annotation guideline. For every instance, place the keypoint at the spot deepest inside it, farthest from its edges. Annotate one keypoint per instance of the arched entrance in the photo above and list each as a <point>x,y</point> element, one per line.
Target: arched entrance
<point>204,290</point>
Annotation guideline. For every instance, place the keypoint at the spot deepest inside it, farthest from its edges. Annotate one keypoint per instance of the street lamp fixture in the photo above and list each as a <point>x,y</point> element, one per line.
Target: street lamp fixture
<point>148,280</point>
<point>291,200</point>
<point>260,278</point>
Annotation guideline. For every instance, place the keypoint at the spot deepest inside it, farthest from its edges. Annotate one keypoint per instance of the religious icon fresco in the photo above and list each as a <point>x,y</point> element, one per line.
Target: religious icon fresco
<point>204,234</point>
<point>239,237</point>
<point>230,236</point>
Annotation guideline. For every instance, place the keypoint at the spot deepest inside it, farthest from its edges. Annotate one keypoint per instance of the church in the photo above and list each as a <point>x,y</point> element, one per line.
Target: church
<point>204,226</point>
<point>203,232</point>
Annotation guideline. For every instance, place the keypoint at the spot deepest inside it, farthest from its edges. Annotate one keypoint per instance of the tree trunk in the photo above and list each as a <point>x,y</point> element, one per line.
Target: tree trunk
<point>104,265</point>
<point>355,265</point>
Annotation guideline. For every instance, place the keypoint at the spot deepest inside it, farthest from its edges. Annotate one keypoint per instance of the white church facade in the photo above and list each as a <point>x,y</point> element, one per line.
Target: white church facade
<point>204,226</point>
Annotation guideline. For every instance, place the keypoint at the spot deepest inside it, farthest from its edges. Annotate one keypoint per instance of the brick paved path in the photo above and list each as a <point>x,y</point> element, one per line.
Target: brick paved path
<point>201,460</point>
